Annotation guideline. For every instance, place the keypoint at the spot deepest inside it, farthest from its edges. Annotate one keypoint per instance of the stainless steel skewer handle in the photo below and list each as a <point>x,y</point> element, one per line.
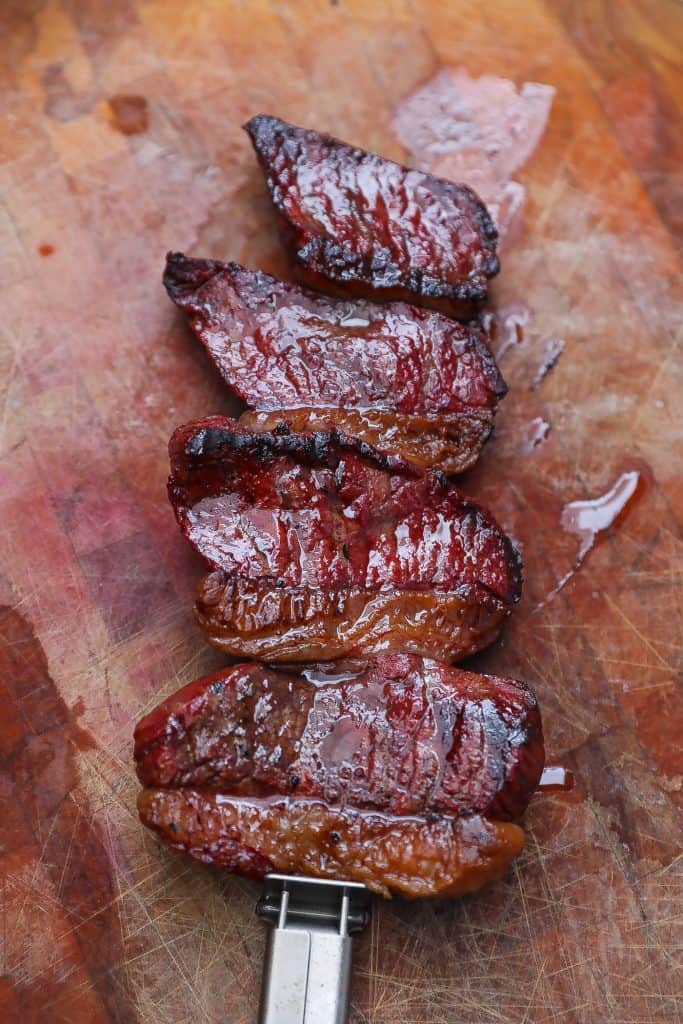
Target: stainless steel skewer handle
<point>307,969</point>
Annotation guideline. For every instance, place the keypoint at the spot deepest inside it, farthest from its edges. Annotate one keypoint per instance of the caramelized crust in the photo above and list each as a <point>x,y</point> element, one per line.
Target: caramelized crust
<point>367,226</point>
<point>405,856</point>
<point>402,378</point>
<point>285,624</point>
<point>450,443</point>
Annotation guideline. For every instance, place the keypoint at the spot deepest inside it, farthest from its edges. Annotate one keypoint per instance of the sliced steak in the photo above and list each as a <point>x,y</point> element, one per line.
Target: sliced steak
<point>401,773</point>
<point>367,226</point>
<point>402,378</point>
<point>403,734</point>
<point>323,547</point>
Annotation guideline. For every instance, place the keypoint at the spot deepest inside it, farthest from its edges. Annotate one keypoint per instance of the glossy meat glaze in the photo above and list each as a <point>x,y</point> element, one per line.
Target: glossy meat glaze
<point>408,857</point>
<point>396,773</point>
<point>402,734</point>
<point>402,378</point>
<point>369,226</point>
<point>324,547</point>
<point>330,536</point>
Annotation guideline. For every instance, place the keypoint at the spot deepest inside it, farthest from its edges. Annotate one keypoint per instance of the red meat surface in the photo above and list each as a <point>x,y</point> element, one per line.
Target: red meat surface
<point>402,378</point>
<point>363,225</point>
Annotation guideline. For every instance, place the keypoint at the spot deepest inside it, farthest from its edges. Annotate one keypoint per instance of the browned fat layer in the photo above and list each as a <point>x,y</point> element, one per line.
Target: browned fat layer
<point>409,857</point>
<point>450,444</point>
<point>254,620</point>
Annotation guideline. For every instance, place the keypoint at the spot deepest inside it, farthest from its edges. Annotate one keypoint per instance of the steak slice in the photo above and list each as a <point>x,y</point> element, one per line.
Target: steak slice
<point>403,735</point>
<point>402,378</point>
<point>323,547</point>
<point>363,225</point>
<point>397,773</point>
<point>408,857</point>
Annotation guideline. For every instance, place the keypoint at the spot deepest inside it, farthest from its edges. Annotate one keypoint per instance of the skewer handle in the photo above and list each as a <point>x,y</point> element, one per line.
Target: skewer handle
<point>307,968</point>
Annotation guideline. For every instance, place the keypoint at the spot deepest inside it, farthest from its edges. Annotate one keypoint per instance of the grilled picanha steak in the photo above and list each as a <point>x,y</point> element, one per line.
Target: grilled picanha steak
<point>324,548</point>
<point>363,225</point>
<point>402,378</point>
<point>403,775</point>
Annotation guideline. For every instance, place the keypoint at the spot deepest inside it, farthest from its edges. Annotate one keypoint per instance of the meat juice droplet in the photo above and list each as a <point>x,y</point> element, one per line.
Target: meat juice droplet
<point>324,674</point>
<point>589,519</point>
<point>554,347</point>
<point>511,325</point>
<point>506,328</point>
<point>556,779</point>
<point>354,321</point>
<point>537,432</point>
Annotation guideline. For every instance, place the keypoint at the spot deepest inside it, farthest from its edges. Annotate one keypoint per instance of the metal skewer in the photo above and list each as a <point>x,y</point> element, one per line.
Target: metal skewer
<point>307,968</point>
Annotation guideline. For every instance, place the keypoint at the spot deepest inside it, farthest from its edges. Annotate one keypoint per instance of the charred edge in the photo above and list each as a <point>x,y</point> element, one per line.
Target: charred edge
<point>513,562</point>
<point>184,275</point>
<point>522,781</point>
<point>336,262</point>
<point>315,447</point>
<point>511,556</point>
<point>262,129</point>
<point>470,291</point>
<point>490,367</point>
<point>485,439</point>
<point>489,233</point>
<point>266,132</point>
<point>516,570</point>
<point>485,220</point>
<point>513,594</point>
<point>498,382</point>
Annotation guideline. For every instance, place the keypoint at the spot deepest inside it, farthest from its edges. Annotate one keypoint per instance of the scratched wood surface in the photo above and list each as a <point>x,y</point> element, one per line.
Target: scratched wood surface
<point>120,139</point>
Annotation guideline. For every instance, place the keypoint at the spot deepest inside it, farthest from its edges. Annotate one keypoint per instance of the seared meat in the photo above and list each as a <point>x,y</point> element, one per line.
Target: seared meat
<point>407,856</point>
<point>368,226</point>
<point>324,547</point>
<point>345,771</point>
<point>405,735</point>
<point>402,378</point>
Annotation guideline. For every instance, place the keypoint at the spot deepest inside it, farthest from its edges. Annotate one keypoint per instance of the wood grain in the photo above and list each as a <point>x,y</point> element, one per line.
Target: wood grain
<point>120,139</point>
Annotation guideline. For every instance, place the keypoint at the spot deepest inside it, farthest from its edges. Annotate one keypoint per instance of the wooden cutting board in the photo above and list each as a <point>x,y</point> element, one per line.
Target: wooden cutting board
<point>120,139</point>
